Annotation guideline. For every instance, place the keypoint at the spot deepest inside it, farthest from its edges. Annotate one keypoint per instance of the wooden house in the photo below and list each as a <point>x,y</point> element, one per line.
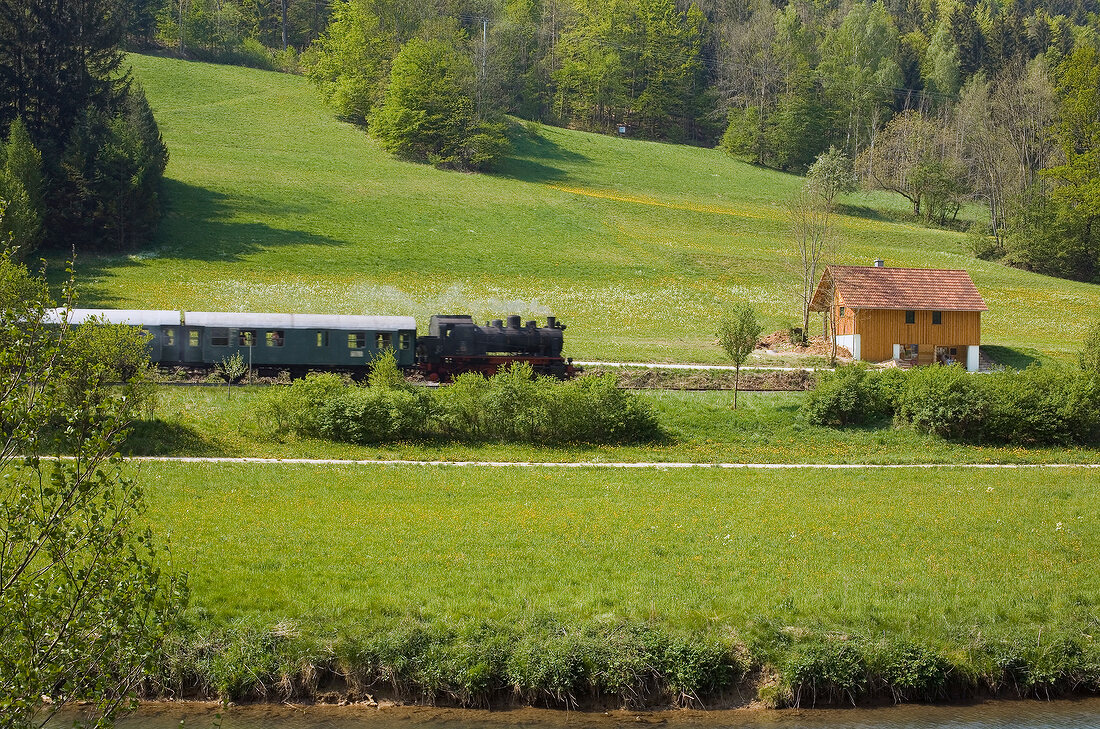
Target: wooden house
<point>914,315</point>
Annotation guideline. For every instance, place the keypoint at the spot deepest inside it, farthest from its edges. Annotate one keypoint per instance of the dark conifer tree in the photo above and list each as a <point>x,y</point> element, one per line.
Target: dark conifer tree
<point>57,57</point>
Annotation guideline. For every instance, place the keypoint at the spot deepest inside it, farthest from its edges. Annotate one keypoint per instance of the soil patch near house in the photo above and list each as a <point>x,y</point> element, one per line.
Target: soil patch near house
<point>780,341</point>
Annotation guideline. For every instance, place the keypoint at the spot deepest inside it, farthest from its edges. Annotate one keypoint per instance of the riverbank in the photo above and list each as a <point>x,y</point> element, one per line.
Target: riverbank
<point>1003,714</point>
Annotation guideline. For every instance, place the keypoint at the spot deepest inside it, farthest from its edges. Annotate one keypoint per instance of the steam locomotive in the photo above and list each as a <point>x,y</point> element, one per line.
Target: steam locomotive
<point>301,342</point>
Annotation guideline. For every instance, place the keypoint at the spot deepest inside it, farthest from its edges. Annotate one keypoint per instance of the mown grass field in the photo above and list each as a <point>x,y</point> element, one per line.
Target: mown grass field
<point>933,555</point>
<point>702,427</point>
<point>274,205</point>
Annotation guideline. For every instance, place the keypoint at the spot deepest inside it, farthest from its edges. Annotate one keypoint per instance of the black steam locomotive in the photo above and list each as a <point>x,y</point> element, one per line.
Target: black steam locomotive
<point>455,344</point>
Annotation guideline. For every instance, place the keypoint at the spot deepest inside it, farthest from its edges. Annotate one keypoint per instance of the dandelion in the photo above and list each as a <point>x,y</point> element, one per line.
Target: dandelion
<point>1058,527</point>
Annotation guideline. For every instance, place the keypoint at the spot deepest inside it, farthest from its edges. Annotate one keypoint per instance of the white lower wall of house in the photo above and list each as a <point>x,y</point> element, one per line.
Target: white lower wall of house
<point>849,342</point>
<point>972,358</point>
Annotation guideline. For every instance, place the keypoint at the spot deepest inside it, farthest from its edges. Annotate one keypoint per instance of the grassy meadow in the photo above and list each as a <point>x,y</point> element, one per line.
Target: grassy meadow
<point>927,553</point>
<point>274,205</point>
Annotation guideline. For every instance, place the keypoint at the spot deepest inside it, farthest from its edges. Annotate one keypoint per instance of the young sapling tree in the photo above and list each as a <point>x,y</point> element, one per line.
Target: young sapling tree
<point>231,369</point>
<point>738,334</point>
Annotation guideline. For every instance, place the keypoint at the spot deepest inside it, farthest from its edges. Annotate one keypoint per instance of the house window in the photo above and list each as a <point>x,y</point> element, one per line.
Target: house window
<point>910,317</point>
<point>246,338</point>
<point>219,337</point>
<point>842,311</point>
<point>357,340</point>
<point>937,317</point>
<point>192,337</point>
<point>169,336</point>
<point>274,338</point>
<point>322,339</point>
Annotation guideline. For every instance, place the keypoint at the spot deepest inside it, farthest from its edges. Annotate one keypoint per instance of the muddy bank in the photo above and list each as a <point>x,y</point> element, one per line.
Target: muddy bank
<point>1018,714</point>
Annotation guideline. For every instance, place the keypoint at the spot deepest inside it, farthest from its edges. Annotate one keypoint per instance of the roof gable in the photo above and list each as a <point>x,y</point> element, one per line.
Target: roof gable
<point>873,287</point>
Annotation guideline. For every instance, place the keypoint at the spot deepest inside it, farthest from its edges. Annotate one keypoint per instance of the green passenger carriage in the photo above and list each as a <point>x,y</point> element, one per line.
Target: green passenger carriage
<point>285,341</point>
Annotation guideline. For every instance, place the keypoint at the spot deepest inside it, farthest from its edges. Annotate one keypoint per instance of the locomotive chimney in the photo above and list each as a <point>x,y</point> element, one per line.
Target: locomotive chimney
<point>513,321</point>
<point>551,321</point>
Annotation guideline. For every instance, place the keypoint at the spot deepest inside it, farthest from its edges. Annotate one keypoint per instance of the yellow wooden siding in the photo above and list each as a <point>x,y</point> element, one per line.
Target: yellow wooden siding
<point>880,329</point>
<point>843,323</point>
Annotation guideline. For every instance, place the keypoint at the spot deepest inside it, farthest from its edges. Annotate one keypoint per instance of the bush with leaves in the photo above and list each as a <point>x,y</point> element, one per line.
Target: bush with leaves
<point>853,395</point>
<point>84,603</point>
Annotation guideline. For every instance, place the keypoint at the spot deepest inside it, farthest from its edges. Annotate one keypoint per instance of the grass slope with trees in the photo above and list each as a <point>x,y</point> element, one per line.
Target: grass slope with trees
<point>275,205</point>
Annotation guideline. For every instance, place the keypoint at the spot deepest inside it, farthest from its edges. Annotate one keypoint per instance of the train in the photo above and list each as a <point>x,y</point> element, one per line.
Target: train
<point>298,343</point>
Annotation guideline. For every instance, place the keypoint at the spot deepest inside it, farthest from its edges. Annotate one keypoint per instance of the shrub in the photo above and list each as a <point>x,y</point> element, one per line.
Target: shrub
<point>517,405</point>
<point>945,401</point>
<point>295,409</point>
<point>853,395</point>
<point>597,410</point>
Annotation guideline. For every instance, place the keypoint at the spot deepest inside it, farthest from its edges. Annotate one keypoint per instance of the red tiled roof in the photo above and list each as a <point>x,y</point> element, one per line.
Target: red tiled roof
<point>871,287</point>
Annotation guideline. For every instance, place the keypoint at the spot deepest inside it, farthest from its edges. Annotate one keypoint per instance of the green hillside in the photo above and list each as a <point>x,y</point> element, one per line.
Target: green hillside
<point>274,205</point>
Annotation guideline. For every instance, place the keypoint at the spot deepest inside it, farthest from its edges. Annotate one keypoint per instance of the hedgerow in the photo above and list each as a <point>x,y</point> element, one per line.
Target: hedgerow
<point>511,406</point>
<point>1038,406</point>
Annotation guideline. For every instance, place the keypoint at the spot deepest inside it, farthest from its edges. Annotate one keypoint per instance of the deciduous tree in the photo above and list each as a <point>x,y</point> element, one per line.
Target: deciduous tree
<point>84,598</point>
<point>738,334</point>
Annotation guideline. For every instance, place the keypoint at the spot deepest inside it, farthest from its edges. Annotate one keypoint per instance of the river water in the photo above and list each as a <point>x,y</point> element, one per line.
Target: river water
<point>1062,714</point>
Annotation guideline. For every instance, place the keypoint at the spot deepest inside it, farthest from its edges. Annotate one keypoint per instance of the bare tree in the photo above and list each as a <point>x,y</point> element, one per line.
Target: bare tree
<point>810,218</point>
<point>1003,127</point>
<point>907,142</point>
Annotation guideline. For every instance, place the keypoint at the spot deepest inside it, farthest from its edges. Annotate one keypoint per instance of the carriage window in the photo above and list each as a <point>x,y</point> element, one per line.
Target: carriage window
<point>169,336</point>
<point>404,340</point>
<point>322,339</point>
<point>247,338</point>
<point>274,338</point>
<point>357,340</point>
<point>910,317</point>
<point>937,317</point>
<point>192,337</point>
<point>219,337</point>
<point>383,341</point>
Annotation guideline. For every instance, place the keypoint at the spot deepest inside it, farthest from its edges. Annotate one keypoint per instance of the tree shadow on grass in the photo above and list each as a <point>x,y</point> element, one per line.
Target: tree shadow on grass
<point>197,225</point>
<point>532,157</point>
<point>881,215</point>
<point>165,438</point>
<point>1017,358</point>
